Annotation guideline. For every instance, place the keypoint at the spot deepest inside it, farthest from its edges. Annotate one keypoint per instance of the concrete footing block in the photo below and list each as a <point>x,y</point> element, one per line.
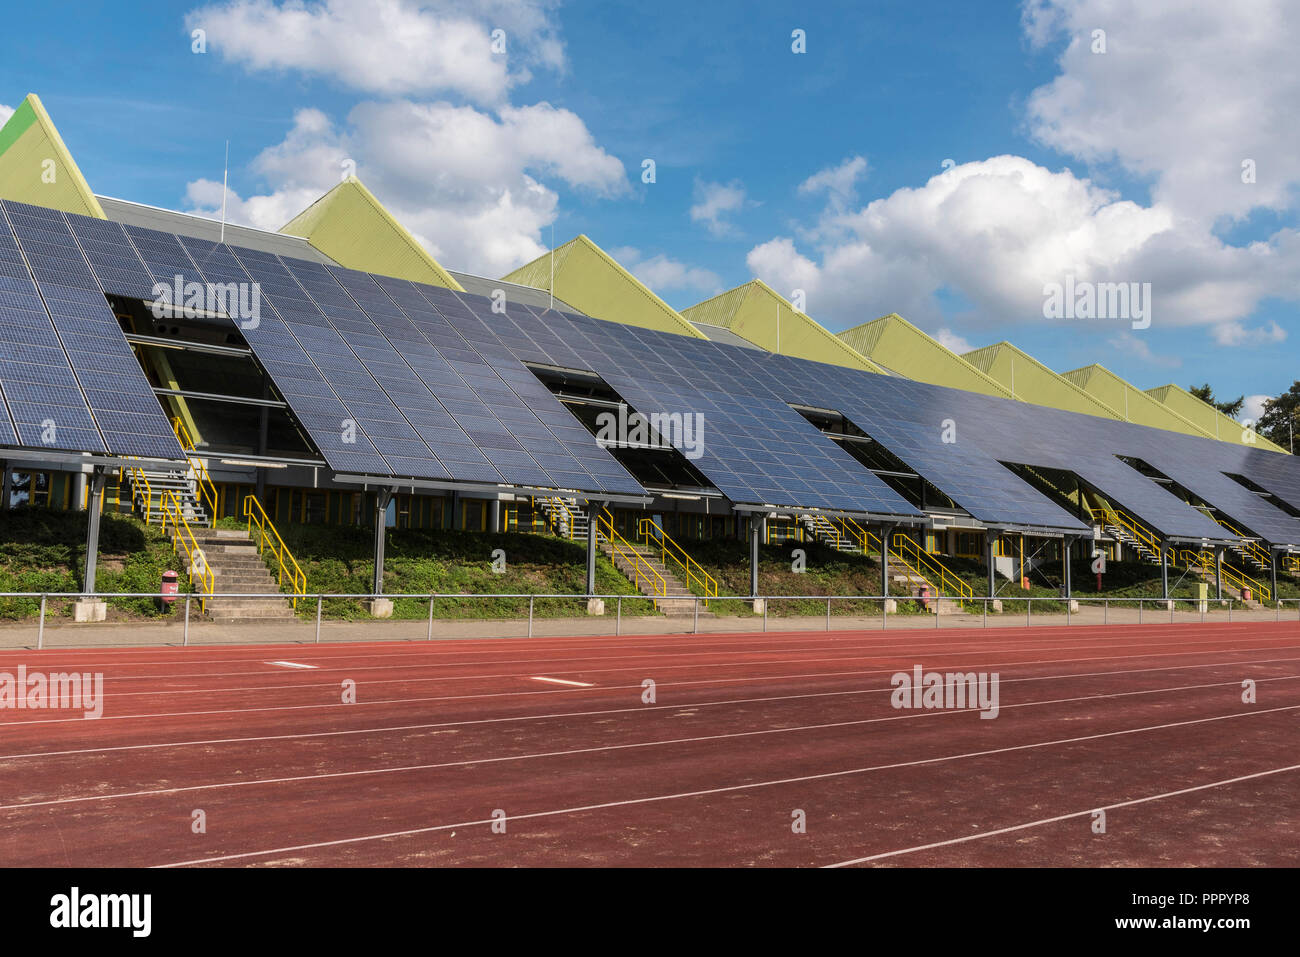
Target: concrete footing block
<point>1074,607</point>
<point>89,609</point>
<point>381,608</point>
<point>891,606</point>
<point>760,605</point>
<point>595,606</point>
<point>996,605</point>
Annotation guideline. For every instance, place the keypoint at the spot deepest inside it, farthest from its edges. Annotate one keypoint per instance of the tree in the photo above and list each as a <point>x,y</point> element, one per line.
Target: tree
<point>1280,420</point>
<point>1206,394</point>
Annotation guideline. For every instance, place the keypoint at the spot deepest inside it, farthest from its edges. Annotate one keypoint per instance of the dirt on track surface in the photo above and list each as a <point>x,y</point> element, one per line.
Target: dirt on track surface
<point>456,753</point>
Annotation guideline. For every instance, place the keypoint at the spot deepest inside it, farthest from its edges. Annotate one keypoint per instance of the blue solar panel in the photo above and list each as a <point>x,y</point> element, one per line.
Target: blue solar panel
<point>114,390</point>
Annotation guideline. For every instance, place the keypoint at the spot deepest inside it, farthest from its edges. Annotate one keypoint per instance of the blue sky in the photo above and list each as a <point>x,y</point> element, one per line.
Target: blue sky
<point>821,171</point>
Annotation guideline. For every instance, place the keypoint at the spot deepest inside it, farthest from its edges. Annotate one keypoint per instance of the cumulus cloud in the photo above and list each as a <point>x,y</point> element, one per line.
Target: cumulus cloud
<point>468,184</point>
<point>997,231</point>
<point>5,113</point>
<point>1252,408</point>
<point>1186,91</point>
<point>952,341</point>
<point>390,47</point>
<point>714,202</point>
<point>662,274</point>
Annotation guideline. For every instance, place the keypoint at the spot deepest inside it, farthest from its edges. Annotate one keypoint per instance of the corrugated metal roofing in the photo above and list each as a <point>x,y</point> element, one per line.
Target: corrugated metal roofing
<point>200,227</point>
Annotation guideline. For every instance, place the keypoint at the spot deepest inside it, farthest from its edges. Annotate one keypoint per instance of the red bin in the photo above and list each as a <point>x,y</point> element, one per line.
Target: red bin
<point>170,587</point>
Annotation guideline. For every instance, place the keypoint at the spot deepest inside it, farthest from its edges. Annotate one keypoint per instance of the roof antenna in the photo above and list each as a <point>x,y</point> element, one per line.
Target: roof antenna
<point>225,178</point>
<point>552,283</point>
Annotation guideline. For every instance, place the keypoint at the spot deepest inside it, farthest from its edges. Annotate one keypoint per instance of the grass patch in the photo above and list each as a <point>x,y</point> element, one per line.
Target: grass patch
<point>340,559</point>
<point>45,551</point>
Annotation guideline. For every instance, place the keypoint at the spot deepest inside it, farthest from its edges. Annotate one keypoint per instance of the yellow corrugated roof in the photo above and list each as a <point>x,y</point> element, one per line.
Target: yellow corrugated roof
<point>899,346</point>
<point>36,166</point>
<point>761,315</point>
<point>353,228</point>
<point>593,281</point>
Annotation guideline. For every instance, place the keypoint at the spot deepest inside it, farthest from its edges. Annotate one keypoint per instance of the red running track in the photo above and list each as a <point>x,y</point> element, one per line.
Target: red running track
<point>454,753</point>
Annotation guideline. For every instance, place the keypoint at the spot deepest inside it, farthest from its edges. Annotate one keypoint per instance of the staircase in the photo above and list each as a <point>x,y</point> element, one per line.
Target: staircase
<point>150,486</point>
<point>1130,533</point>
<point>829,534</point>
<point>640,563</point>
<point>237,568</point>
<point>850,537</point>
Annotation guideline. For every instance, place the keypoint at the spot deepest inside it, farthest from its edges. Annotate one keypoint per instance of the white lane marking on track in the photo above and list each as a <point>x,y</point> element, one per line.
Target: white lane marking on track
<point>289,664</point>
<point>562,681</point>
<point>512,694</point>
<point>644,709</point>
<point>471,762</point>
<point>829,775</point>
<point>1064,817</point>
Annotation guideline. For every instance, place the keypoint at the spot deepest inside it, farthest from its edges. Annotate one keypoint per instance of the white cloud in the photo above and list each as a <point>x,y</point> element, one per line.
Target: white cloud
<point>953,342</point>
<point>840,183</point>
<point>715,201</point>
<point>5,113</point>
<point>466,183</point>
<point>391,47</point>
<point>1252,408</point>
<point>661,273</point>
<point>1187,90</point>
<point>1162,105</point>
<point>1236,334</point>
<point>1135,347</point>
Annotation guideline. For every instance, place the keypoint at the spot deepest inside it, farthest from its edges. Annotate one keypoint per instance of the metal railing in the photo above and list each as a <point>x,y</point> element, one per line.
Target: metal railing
<point>1239,580</point>
<point>1121,519</point>
<point>290,572</point>
<point>692,572</point>
<point>183,538</point>
<point>207,491</point>
<point>1247,546</point>
<point>987,610</point>
<point>138,478</point>
<point>642,570</point>
<point>948,582</point>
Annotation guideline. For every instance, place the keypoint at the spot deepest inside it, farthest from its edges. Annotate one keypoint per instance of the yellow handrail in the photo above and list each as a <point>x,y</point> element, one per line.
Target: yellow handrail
<point>137,479</point>
<point>289,567</point>
<point>183,536</point>
<point>1114,516</point>
<point>948,582</point>
<point>1231,576</point>
<point>207,490</point>
<point>1251,547</point>
<point>563,506</point>
<point>623,549</point>
<point>695,575</point>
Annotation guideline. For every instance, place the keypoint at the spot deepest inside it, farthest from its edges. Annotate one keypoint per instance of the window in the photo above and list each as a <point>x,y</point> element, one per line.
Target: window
<point>29,488</point>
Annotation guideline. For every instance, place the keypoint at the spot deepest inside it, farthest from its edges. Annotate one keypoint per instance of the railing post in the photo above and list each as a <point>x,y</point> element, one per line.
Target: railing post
<point>828,613</point>
<point>618,617</point>
<point>319,602</point>
<point>1141,605</point>
<point>1029,612</point>
<point>695,627</point>
<point>530,616</point>
<point>429,636</point>
<point>986,612</point>
<point>185,634</point>
<point>765,601</point>
<point>40,628</point>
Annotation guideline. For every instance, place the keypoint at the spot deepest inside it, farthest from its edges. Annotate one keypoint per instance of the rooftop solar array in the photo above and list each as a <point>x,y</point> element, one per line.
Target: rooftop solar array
<point>69,377</point>
<point>406,391</point>
<point>393,378</point>
<point>753,447</point>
